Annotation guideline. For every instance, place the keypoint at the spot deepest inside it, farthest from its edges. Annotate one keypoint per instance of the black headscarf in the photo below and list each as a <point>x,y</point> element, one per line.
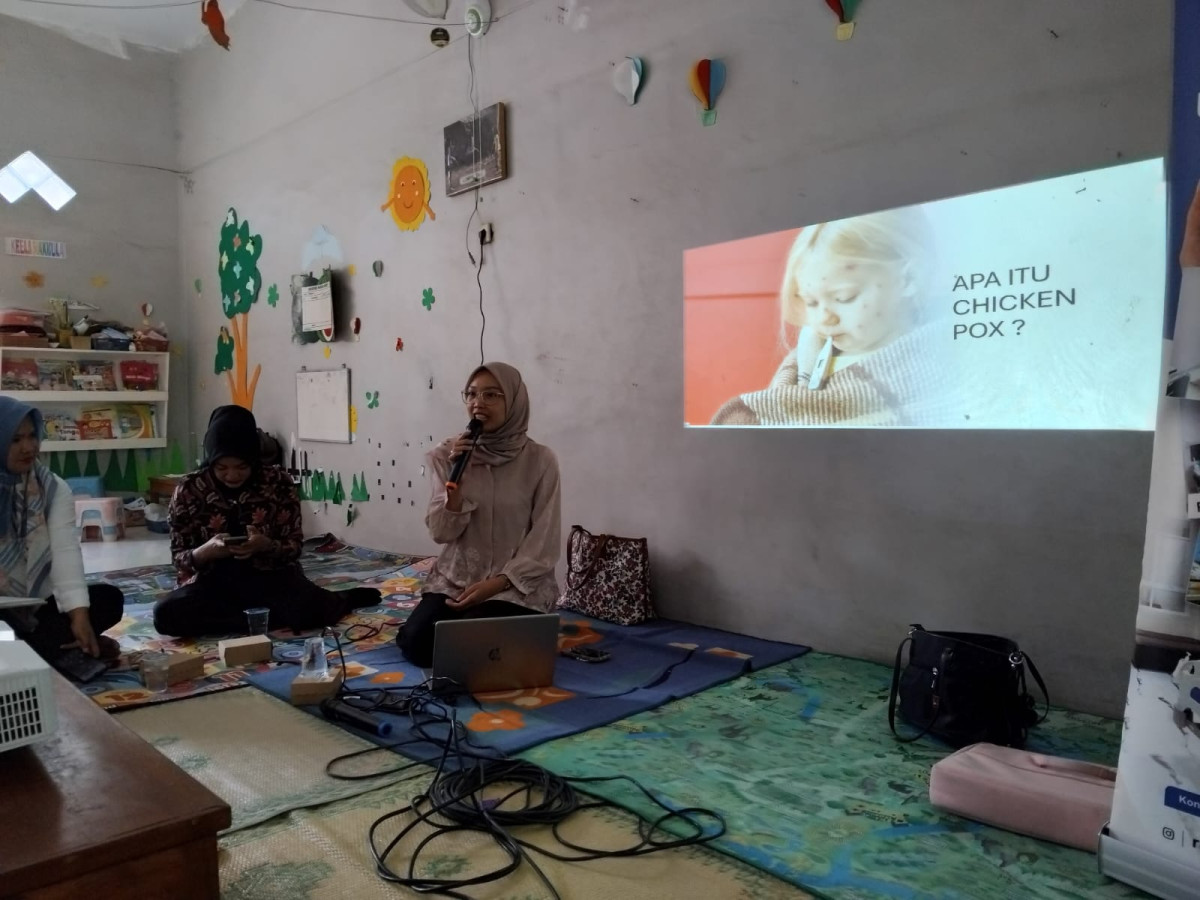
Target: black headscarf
<point>232,431</point>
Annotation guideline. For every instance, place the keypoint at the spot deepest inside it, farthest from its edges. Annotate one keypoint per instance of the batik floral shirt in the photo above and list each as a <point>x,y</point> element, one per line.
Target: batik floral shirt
<point>268,503</point>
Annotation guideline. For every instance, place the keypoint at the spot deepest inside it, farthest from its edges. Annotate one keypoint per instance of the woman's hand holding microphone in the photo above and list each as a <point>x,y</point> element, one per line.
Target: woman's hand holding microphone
<point>460,452</point>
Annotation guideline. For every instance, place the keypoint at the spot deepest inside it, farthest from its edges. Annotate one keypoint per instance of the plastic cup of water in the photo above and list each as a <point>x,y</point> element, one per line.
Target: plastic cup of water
<point>314,663</point>
<point>256,620</point>
<point>154,671</point>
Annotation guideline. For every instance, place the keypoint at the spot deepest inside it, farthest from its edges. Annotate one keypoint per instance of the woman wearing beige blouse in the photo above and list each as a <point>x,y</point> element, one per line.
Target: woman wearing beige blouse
<point>500,528</point>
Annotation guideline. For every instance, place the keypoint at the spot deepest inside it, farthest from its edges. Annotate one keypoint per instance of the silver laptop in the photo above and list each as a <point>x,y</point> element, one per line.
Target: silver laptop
<point>501,654</point>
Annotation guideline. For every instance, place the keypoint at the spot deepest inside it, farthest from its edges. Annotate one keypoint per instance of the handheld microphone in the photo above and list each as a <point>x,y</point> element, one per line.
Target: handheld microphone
<point>352,715</point>
<point>475,427</point>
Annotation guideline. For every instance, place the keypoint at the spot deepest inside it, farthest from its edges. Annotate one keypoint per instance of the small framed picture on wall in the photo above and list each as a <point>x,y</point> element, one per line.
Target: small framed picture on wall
<point>476,150</point>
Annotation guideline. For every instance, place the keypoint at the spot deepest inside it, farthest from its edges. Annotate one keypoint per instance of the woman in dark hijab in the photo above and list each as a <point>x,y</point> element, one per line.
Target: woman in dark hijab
<point>235,540</point>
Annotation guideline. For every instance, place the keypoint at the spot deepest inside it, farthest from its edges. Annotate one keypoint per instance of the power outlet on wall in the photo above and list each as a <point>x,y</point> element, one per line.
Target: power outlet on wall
<point>485,234</point>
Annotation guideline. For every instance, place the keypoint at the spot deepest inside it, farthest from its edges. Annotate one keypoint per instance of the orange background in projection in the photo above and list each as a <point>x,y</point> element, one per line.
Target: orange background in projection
<point>731,320</point>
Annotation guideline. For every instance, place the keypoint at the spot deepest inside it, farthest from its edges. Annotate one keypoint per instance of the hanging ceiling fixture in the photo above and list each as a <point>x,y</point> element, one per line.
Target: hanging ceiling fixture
<point>432,9</point>
<point>478,17</point>
<point>28,173</point>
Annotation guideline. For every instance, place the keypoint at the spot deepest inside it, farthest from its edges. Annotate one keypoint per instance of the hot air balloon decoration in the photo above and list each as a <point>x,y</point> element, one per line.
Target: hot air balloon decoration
<point>627,78</point>
<point>708,80</point>
<point>844,10</point>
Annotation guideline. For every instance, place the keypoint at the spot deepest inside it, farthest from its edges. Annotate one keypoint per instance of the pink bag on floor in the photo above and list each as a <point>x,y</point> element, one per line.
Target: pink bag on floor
<point>1048,797</point>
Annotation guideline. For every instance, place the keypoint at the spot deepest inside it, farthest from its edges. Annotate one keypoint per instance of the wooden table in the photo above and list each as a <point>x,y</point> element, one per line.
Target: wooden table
<point>95,812</point>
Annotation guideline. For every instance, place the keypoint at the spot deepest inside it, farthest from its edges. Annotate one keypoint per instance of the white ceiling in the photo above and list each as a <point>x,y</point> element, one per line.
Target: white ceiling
<point>170,25</point>
<point>101,24</point>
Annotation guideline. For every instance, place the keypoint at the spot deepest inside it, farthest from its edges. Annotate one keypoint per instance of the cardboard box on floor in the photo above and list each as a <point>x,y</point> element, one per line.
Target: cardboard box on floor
<point>184,667</point>
<point>308,691</point>
<point>245,650</point>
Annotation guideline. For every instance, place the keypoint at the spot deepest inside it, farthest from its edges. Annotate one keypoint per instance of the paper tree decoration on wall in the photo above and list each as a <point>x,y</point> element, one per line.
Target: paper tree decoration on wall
<point>237,264</point>
<point>118,479</point>
<point>140,467</point>
<point>708,80</point>
<point>316,489</point>
<point>627,78</point>
<point>224,359</point>
<point>409,197</point>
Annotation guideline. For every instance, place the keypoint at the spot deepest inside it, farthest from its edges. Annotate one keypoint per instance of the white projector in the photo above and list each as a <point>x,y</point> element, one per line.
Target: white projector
<point>27,712</point>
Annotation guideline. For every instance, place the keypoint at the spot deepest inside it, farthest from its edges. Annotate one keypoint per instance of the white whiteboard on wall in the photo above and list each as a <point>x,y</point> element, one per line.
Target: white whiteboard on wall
<point>323,405</point>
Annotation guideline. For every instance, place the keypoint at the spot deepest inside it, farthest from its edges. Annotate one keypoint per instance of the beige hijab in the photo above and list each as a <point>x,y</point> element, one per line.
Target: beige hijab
<point>504,444</point>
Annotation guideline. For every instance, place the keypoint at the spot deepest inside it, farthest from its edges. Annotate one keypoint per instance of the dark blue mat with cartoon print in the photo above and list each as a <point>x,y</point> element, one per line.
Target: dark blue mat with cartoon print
<point>649,664</point>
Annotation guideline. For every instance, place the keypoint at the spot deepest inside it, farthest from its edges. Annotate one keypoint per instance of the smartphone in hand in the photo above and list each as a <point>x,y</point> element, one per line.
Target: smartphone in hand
<point>235,539</point>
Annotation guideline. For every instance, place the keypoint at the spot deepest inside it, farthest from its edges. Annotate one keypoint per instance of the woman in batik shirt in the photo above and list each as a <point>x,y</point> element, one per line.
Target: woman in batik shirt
<point>235,540</point>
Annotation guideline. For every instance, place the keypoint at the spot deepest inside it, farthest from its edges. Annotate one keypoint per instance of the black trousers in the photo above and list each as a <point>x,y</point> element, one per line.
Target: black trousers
<point>106,605</point>
<point>415,639</point>
<point>215,603</point>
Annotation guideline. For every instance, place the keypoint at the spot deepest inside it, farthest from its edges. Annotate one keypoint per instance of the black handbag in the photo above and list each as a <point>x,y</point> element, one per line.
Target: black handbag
<point>964,688</point>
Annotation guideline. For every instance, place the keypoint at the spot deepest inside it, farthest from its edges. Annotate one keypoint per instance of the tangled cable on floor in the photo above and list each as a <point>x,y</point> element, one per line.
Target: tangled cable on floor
<point>474,790</point>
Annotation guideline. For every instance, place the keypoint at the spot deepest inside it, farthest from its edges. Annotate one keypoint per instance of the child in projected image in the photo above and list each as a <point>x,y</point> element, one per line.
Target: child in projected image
<point>863,355</point>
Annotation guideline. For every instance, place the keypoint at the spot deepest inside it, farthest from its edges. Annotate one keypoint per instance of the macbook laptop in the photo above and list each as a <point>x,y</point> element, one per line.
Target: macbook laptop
<point>501,654</point>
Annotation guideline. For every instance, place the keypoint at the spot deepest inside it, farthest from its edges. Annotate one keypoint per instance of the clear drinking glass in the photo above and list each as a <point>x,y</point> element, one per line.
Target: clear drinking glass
<point>154,671</point>
<point>256,619</point>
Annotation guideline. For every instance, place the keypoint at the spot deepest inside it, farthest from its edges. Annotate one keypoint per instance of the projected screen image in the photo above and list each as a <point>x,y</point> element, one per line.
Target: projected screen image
<point>1038,306</point>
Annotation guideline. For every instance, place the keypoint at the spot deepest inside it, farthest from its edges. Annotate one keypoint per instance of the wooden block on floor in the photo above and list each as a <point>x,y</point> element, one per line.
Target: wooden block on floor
<point>308,691</point>
<point>184,667</point>
<point>245,650</point>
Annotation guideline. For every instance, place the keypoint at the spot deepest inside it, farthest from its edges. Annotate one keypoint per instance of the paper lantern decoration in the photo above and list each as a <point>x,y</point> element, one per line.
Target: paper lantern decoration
<point>627,78</point>
<point>708,80</point>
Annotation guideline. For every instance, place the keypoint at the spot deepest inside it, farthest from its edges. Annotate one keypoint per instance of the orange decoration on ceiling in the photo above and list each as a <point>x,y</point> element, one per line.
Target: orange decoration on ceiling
<point>210,15</point>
